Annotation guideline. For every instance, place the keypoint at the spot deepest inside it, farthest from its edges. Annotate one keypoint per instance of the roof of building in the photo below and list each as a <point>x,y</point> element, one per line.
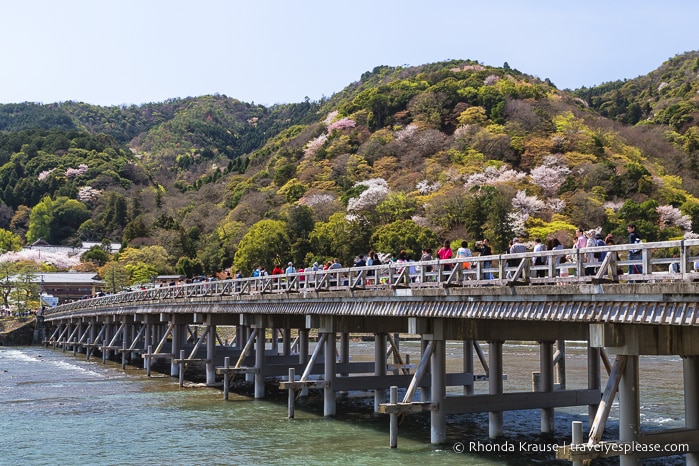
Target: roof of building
<point>67,277</point>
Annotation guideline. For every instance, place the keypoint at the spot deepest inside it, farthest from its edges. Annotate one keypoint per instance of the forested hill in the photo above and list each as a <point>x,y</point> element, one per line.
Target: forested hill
<point>401,159</point>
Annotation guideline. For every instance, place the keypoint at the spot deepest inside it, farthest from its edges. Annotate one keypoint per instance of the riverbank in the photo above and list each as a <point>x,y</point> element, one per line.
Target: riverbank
<point>17,331</point>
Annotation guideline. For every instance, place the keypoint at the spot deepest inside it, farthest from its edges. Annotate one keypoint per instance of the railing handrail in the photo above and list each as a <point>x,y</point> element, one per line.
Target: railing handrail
<point>436,272</point>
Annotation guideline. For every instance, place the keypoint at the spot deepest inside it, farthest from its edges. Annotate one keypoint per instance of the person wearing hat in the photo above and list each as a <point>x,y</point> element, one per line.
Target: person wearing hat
<point>290,268</point>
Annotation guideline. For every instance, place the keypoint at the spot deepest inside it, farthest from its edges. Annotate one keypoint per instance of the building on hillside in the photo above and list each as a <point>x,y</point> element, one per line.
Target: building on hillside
<point>69,286</point>
<point>112,247</point>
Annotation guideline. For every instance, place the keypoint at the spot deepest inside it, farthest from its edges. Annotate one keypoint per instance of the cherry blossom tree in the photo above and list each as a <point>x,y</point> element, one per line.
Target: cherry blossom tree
<point>669,216</point>
<point>341,124</point>
<point>74,172</point>
<point>313,145</point>
<point>492,176</point>
<point>377,190</point>
<point>550,175</point>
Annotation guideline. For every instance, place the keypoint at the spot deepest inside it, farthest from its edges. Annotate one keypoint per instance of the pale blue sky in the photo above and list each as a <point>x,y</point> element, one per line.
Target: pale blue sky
<point>111,52</point>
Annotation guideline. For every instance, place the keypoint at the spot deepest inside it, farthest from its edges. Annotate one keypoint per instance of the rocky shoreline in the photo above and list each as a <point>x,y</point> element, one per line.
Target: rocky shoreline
<point>17,331</point>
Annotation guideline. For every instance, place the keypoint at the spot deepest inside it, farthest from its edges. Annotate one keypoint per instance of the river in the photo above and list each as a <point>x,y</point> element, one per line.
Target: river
<point>60,409</point>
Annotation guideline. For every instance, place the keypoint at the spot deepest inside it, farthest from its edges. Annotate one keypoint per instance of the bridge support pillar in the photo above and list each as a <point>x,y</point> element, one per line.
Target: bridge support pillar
<point>259,362</point>
<point>495,419</point>
<point>147,340</point>
<point>329,398</point>
<point>594,380</point>
<point>379,367</point>
<point>438,419</point>
<point>468,365</point>
<point>344,350</point>
<point>691,400</point>
<point>210,355</point>
<point>177,334</point>
<point>425,394</point>
<point>286,347</point>
<point>546,383</point>
<point>629,408</point>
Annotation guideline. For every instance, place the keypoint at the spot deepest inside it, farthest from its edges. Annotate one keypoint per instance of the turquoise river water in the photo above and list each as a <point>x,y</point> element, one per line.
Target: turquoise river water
<point>60,409</point>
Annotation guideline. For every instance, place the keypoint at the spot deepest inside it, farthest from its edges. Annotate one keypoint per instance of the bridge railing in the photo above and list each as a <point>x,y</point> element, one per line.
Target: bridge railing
<point>645,262</point>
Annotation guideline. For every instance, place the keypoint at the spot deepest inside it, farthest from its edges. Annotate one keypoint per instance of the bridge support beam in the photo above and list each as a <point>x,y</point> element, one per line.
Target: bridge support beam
<point>629,409</point>
<point>344,349</point>
<point>379,367</point>
<point>210,355</point>
<point>438,418</point>
<point>546,383</point>
<point>691,400</point>
<point>259,362</point>
<point>495,387</point>
<point>177,334</point>
<point>594,380</point>
<point>329,397</point>
<point>468,364</point>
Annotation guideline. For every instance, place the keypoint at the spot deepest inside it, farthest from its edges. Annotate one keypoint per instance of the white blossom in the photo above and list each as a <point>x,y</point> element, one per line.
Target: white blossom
<point>407,132</point>
<point>492,176</point>
<point>669,216</point>
<point>613,205</point>
<point>43,175</point>
<point>58,259</point>
<point>516,221</point>
<point>550,175</point>
<point>316,199</point>
<point>556,205</point>
<point>377,190</point>
<point>88,194</point>
<point>426,187</point>
<point>527,204</point>
<point>73,172</point>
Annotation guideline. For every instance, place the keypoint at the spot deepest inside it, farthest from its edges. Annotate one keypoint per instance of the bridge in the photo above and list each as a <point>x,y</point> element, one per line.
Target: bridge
<point>481,300</point>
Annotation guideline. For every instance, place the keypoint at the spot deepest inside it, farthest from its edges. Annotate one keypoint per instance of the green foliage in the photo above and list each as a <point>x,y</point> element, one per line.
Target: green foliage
<point>96,254</point>
<point>266,243</point>
<point>403,235</point>
<point>115,275</point>
<point>9,241</point>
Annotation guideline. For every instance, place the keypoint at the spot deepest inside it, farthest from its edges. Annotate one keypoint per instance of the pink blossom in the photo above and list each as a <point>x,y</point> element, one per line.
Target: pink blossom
<point>343,123</point>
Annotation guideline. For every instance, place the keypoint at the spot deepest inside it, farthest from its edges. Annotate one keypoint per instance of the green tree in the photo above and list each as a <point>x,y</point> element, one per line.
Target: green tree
<point>97,255</point>
<point>40,219</point>
<point>9,241</point>
<point>403,235</point>
<point>265,243</point>
<point>115,275</point>
<point>396,206</point>
<point>339,237</point>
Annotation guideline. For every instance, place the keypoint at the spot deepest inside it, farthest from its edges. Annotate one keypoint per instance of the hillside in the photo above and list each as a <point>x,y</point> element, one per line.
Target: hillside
<point>401,159</point>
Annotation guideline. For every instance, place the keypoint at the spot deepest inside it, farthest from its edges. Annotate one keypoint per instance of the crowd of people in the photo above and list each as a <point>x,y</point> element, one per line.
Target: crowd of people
<point>583,239</point>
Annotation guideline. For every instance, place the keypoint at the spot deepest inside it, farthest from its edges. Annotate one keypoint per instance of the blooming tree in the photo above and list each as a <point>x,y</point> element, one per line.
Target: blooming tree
<point>426,187</point>
<point>88,194</point>
<point>669,216</point>
<point>492,176</point>
<point>407,132</point>
<point>550,175</point>
<point>527,204</point>
<point>377,190</point>
<point>73,172</point>
<point>342,123</point>
<point>313,145</point>
<point>330,118</point>
<point>45,174</point>
<point>58,259</point>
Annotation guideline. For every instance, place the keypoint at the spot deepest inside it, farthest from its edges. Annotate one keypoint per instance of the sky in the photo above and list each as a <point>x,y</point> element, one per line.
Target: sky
<point>122,52</point>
